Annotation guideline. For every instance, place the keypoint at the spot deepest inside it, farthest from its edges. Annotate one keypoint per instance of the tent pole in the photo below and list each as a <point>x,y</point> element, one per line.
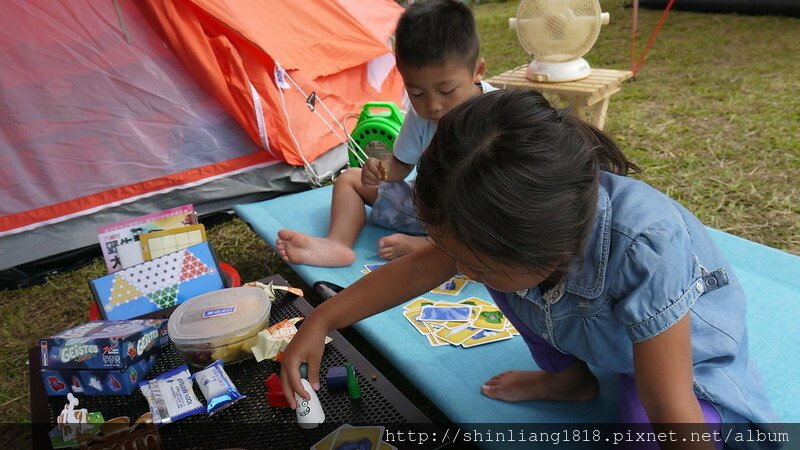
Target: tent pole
<point>634,32</point>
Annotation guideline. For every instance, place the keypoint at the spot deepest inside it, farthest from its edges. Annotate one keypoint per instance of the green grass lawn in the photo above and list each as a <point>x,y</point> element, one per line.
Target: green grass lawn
<point>712,119</point>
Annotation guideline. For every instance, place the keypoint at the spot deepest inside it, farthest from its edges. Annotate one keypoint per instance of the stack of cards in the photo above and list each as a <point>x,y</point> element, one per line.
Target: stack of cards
<point>467,323</point>
<point>347,436</point>
<point>453,286</point>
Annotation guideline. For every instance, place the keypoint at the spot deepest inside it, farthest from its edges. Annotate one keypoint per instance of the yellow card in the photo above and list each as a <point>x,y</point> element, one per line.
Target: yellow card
<point>418,303</point>
<point>325,443</point>
<point>452,286</point>
<point>411,315</point>
<point>355,434</point>
<point>461,276</point>
<point>475,301</point>
<point>490,318</point>
<point>433,327</point>
<point>485,337</point>
<point>432,339</point>
<point>457,335</point>
<point>435,341</point>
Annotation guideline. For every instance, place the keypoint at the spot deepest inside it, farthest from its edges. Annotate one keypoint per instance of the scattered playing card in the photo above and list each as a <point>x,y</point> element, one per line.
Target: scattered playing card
<point>452,286</point>
<point>457,335</point>
<point>412,316</point>
<point>485,337</point>
<point>474,301</point>
<point>490,318</point>
<point>384,446</point>
<point>357,436</point>
<point>418,303</point>
<point>371,267</point>
<point>445,313</point>
<point>325,443</point>
<point>466,323</point>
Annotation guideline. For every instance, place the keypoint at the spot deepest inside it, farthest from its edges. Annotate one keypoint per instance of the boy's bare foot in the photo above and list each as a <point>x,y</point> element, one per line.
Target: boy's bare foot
<point>520,385</point>
<point>299,248</point>
<point>398,244</point>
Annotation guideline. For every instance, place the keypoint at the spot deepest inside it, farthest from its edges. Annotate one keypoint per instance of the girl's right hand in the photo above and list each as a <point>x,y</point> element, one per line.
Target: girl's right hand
<point>305,347</point>
<point>371,173</point>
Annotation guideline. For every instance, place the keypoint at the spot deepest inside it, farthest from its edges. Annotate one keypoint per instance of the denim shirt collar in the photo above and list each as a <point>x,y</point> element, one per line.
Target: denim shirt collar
<point>587,275</point>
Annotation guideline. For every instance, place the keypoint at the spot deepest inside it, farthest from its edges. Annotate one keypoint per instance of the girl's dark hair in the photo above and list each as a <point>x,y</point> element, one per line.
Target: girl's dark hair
<point>515,179</point>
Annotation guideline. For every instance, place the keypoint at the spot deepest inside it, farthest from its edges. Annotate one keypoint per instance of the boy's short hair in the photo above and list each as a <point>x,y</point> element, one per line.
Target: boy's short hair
<point>431,31</point>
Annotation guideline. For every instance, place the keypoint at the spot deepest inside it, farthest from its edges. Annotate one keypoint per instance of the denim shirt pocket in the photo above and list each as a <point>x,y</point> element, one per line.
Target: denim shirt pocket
<point>676,307</point>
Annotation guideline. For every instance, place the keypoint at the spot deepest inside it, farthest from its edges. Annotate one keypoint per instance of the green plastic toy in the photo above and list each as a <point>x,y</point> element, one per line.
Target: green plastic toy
<point>376,131</point>
<point>353,389</point>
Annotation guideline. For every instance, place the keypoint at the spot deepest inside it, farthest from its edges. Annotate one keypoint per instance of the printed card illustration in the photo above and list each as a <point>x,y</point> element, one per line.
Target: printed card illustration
<point>445,313</point>
<point>452,286</point>
<point>490,318</point>
<point>158,284</point>
<point>457,335</point>
<point>486,337</point>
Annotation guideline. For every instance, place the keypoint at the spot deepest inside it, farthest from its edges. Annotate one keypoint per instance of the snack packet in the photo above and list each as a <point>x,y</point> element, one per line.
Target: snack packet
<point>217,387</point>
<point>171,396</point>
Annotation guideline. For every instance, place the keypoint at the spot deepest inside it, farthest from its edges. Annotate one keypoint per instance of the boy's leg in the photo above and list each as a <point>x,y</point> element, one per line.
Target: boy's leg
<point>399,244</point>
<point>347,219</point>
<point>348,214</point>
<point>564,378</point>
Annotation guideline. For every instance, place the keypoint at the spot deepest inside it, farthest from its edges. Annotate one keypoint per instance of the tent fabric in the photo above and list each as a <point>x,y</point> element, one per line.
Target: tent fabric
<point>88,119</point>
<point>238,50</point>
<point>450,377</point>
<point>103,107</point>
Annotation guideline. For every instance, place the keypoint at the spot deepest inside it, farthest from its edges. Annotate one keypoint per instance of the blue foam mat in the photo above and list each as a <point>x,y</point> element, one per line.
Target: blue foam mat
<point>451,376</point>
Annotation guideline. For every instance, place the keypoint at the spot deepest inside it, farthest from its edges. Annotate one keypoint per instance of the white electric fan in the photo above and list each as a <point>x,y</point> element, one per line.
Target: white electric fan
<point>556,33</point>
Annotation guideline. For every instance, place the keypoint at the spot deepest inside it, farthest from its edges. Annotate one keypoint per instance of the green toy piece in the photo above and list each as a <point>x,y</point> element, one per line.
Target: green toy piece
<point>353,389</point>
<point>376,131</point>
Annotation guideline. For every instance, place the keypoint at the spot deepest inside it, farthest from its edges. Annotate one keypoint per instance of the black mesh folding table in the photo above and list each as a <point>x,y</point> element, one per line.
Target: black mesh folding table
<point>251,423</point>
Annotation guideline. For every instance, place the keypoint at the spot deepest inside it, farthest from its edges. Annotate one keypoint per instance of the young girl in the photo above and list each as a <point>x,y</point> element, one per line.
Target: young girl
<point>592,267</point>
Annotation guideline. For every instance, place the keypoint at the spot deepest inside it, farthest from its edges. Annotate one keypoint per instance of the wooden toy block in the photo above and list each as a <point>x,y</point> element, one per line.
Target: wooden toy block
<point>275,397</point>
<point>336,378</point>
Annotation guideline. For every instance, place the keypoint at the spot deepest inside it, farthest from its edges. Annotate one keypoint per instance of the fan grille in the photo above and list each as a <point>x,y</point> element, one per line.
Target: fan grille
<point>558,30</point>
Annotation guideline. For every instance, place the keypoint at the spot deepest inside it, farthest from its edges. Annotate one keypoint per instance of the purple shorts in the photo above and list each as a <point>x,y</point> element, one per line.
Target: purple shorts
<point>631,410</point>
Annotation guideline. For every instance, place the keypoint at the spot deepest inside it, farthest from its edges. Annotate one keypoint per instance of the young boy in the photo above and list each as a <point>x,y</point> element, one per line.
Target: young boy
<point>436,47</point>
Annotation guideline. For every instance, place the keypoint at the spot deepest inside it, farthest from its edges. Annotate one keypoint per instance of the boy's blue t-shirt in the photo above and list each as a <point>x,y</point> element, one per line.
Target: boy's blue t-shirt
<point>416,133</point>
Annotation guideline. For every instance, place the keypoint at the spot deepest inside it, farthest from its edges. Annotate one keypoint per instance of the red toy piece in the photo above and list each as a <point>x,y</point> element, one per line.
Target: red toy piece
<point>275,397</point>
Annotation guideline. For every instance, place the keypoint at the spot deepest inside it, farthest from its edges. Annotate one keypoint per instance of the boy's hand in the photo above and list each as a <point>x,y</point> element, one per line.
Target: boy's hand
<point>373,172</point>
<point>306,346</point>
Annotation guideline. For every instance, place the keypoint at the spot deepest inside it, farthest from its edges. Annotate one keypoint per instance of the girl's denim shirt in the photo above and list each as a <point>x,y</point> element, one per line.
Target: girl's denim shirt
<point>647,263</point>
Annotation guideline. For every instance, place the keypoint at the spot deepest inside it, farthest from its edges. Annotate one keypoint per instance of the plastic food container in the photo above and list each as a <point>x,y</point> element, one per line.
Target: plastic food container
<point>223,324</point>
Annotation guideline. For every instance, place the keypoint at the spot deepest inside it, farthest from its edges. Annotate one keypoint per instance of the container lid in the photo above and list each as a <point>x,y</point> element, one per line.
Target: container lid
<point>219,315</point>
